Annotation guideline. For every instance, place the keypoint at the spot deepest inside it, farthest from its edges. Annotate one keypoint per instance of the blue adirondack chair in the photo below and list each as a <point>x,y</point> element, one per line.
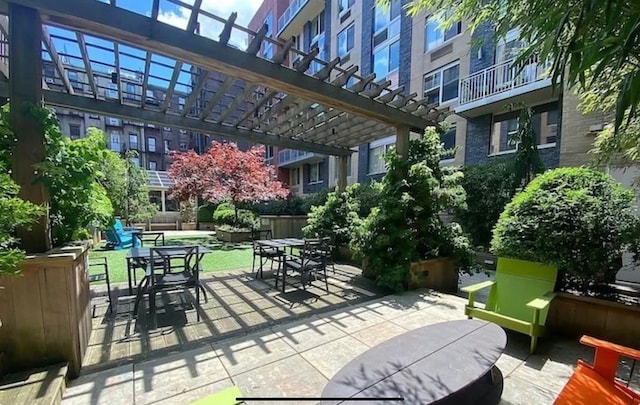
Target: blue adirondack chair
<point>120,237</point>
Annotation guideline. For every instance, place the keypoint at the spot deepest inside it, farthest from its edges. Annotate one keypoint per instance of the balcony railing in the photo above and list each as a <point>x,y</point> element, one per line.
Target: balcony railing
<point>501,78</point>
<point>290,13</point>
<point>287,156</point>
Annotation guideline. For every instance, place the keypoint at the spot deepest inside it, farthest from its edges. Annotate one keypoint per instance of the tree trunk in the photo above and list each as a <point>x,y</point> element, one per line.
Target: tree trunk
<point>235,207</point>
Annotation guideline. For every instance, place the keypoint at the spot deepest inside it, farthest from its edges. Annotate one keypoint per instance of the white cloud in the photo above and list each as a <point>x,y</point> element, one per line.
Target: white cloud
<point>245,9</point>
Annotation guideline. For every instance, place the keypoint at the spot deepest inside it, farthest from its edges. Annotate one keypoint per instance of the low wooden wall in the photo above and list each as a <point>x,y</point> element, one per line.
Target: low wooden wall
<point>46,311</point>
<point>574,316</point>
<point>284,226</point>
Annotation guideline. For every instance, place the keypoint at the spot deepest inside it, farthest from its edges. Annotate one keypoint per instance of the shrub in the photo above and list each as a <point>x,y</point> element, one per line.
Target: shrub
<point>226,214</point>
<point>578,219</point>
<point>406,226</point>
<point>205,212</point>
<point>188,210</point>
<point>341,212</point>
<point>488,190</point>
<point>294,205</point>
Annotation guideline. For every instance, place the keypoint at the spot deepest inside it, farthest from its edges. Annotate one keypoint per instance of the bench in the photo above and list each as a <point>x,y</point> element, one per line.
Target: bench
<point>163,226</point>
<point>597,384</point>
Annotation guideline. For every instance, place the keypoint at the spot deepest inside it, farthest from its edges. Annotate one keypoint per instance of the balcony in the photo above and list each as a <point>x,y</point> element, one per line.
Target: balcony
<point>488,90</point>
<point>291,157</point>
<point>296,15</point>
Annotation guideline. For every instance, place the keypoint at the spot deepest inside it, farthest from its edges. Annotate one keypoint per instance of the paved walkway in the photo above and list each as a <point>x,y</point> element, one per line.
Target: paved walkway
<point>298,358</point>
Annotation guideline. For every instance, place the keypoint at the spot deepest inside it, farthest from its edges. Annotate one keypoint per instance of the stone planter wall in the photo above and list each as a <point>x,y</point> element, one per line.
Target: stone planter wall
<point>575,316</point>
<point>46,311</point>
<point>284,226</point>
<point>440,274</point>
<point>232,237</point>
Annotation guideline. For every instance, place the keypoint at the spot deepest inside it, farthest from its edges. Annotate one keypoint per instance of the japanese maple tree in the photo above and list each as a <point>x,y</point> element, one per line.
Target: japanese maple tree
<point>225,173</point>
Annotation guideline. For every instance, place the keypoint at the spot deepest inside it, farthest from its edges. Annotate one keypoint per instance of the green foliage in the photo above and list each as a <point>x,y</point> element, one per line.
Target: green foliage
<point>294,205</point>
<point>342,212</point>
<point>188,210</point>
<point>488,190</point>
<point>406,226</point>
<point>578,219</point>
<point>137,205</point>
<point>527,162</point>
<point>71,173</point>
<point>227,214</point>
<point>205,212</point>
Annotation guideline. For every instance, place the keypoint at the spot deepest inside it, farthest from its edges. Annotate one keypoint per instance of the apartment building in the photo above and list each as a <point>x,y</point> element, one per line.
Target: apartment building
<point>475,82</point>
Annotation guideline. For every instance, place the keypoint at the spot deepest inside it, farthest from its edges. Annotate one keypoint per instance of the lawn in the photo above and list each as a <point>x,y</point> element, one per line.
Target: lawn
<point>224,256</point>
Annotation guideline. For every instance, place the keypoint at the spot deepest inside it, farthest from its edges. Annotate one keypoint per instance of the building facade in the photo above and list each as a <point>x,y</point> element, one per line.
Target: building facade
<point>471,75</point>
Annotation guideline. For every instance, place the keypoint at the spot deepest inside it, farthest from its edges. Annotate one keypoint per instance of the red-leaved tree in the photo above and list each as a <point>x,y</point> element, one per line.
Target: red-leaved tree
<point>224,173</point>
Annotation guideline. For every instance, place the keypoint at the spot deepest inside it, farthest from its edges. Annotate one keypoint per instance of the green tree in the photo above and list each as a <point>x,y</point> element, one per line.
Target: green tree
<point>527,162</point>
<point>137,206</point>
<point>588,41</point>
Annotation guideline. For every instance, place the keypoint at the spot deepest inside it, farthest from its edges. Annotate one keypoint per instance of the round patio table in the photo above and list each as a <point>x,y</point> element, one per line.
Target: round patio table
<point>444,363</point>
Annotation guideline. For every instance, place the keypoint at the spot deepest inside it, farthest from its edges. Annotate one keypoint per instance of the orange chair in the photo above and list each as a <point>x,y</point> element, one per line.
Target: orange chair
<point>597,384</point>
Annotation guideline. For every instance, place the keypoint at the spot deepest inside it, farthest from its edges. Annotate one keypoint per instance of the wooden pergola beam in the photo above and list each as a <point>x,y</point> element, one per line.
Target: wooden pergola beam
<point>48,43</point>
<point>64,100</point>
<point>87,63</point>
<point>217,96</point>
<point>195,91</point>
<point>138,30</point>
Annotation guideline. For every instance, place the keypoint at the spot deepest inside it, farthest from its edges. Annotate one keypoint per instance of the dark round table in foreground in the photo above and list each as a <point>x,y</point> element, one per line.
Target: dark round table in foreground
<point>444,363</point>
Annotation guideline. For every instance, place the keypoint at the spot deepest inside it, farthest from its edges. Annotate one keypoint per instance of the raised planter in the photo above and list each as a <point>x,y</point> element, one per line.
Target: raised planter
<point>206,226</point>
<point>46,311</point>
<point>233,236</point>
<point>188,226</point>
<point>574,316</point>
<point>440,274</point>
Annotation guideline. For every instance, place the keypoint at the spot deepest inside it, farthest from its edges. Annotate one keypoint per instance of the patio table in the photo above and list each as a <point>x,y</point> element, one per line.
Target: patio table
<point>279,244</point>
<point>136,259</point>
<point>446,363</point>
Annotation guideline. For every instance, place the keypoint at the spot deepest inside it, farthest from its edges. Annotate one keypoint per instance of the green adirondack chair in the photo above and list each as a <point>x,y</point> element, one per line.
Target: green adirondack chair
<point>225,397</point>
<point>519,298</point>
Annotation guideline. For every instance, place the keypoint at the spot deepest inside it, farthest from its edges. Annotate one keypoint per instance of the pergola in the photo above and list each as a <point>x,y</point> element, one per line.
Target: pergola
<point>314,105</point>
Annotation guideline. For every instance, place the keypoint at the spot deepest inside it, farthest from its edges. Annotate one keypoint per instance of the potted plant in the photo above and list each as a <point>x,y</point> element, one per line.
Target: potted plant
<point>188,214</point>
<point>404,242</point>
<point>581,221</point>
<point>233,225</point>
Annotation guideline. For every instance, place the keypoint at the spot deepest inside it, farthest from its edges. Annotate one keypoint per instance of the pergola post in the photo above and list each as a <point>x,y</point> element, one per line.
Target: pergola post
<point>342,173</point>
<point>163,194</point>
<point>25,91</point>
<point>402,141</point>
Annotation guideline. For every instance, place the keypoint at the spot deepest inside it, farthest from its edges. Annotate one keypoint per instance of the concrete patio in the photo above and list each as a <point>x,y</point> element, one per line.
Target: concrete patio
<point>299,357</point>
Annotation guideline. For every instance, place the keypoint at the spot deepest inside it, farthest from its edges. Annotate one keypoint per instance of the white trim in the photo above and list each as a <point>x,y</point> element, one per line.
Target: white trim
<point>448,160</point>
<point>311,183</point>
<point>510,151</point>
<point>381,142</point>
<point>441,69</point>
<point>442,45</point>
<point>376,173</point>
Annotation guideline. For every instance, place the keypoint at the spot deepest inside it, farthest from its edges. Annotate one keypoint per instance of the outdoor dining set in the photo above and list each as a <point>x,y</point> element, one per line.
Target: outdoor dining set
<point>175,267</point>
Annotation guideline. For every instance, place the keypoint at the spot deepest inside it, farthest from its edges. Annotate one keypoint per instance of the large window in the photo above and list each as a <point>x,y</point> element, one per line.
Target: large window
<point>315,175</point>
<point>383,16</point>
<point>151,144</point>
<point>346,40</point>
<point>74,131</point>
<point>441,85</point>
<point>267,51</point>
<point>434,36</point>
<point>344,5</point>
<point>505,128</point>
<point>294,176</point>
<point>153,165</point>
<point>133,141</point>
<point>386,59</point>
<point>114,145</point>
<point>317,26</point>
<point>376,151</point>
<point>448,140</point>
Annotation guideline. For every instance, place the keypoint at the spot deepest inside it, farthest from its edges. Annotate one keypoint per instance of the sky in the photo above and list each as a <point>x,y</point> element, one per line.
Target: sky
<point>170,13</point>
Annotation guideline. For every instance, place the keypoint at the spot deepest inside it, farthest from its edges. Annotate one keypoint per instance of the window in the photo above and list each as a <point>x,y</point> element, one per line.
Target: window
<point>133,141</point>
<point>131,90</point>
<point>314,173</point>
<point>294,176</point>
<point>376,151</point>
<point>433,34</point>
<point>115,142</point>
<point>181,102</point>
<point>151,144</point>
<point>442,85</point>
<point>268,46</point>
<point>505,128</point>
<point>183,146</point>
<point>385,15</point>
<point>135,161</point>
<point>167,147</point>
<point>317,26</point>
<point>74,131</point>
<point>346,39</point>
<point>448,140</point>
<point>344,5</point>
<point>153,165</point>
<point>112,92</point>
<point>386,59</point>
<point>337,160</point>
<point>168,129</point>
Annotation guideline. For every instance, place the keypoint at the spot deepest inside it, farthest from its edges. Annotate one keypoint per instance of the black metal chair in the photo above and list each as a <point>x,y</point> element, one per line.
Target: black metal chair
<point>330,246</point>
<point>183,276</point>
<point>102,275</point>
<point>311,260</point>
<point>263,253</point>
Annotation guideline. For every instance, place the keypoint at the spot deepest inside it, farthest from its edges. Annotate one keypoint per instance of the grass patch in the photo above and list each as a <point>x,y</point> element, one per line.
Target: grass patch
<point>223,256</point>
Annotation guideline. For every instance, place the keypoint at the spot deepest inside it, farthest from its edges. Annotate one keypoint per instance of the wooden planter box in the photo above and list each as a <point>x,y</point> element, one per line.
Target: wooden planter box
<point>575,316</point>
<point>206,226</point>
<point>284,226</point>
<point>46,311</point>
<point>440,274</point>
<point>233,236</point>
<point>188,226</point>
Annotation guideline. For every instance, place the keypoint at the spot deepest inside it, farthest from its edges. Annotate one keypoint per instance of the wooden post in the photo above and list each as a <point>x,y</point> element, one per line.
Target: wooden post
<point>342,173</point>
<point>402,141</point>
<point>25,91</point>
